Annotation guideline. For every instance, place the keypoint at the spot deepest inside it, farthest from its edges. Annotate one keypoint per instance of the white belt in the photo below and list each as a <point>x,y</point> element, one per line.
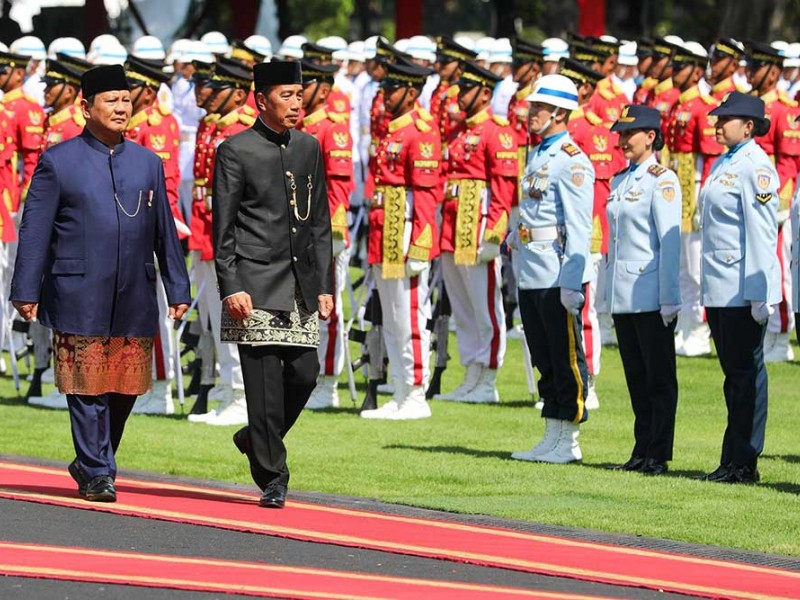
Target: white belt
<point>539,234</point>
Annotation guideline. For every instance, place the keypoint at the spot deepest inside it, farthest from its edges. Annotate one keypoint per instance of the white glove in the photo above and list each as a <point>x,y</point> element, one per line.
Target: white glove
<point>669,313</point>
<point>512,240</point>
<point>487,252</point>
<point>414,267</point>
<point>339,246</point>
<point>761,311</point>
<point>782,216</point>
<point>572,300</point>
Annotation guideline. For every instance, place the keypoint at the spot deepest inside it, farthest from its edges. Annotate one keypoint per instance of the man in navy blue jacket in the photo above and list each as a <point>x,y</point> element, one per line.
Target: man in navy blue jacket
<point>95,219</point>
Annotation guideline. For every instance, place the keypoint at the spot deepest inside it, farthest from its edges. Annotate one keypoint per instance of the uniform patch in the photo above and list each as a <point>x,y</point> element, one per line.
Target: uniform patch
<point>506,140</point>
<point>600,142</point>
<point>571,149</point>
<point>763,181</point>
<point>656,170</point>
<point>158,142</point>
<point>341,138</point>
<point>764,198</point>
<point>426,149</point>
<point>668,192</point>
<point>578,178</point>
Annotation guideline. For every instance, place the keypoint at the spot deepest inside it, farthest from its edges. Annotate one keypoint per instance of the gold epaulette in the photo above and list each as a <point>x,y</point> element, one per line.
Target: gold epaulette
<point>424,114</point>
<point>708,99</point>
<point>154,118</point>
<point>338,117</point>
<point>30,98</point>
<point>452,91</point>
<point>784,98</point>
<point>77,116</point>
<point>422,125</point>
<point>604,89</point>
<point>164,109</point>
<point>246,119</point>
<point>502,121</point>
<point>249,110</point>
<point>593,118</point>
<point>656,170</point>
<point>571,149</point>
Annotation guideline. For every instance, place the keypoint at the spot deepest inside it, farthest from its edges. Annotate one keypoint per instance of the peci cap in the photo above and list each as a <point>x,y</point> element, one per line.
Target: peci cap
<point>638,116</point>
<point>103,78</point>
<point>278,72</point>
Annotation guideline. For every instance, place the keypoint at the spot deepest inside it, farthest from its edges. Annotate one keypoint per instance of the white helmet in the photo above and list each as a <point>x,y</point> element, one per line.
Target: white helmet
<point>196,50</point>
<point>260,44</point>
<point>355,51</point>
<point>627,55</point>
<point>696,48</point>
<point>780,45</point>
<point>216,41</point>
<point>292,46</point>
<point>483,47</point>
<point>674,39</point>
<point>370,46</point>
<point>402,44</point>
<point>178,50</point>
<point>108,54</point>
<point>337,44</point>
<point>66,45</point>
<point>102,40</point>
<point>555,90</point>
<point>554,49</point>
<point>148,47</point>
<point>3,47</point>
<point>792,55</point>
<point>501,51</point>
<point>29,45</point>
<point>422,48</point>
<point>466,41</point>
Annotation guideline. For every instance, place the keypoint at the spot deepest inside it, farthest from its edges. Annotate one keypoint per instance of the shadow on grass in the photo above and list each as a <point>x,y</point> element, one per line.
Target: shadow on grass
<point>789,458</point>
<point>13,401</point>
<point>452,450</point>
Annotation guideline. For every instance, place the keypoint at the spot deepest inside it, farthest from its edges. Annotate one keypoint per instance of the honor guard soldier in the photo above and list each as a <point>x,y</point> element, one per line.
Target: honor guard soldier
<point>338,102</point>
<point>332,131</point>
<point>230,83</point>
<point>446,112</point>
<point>642,285</point>
<point>795,263</point>
<point>664,95</point>
<point>782,145</point>
<point>481,184</point>
<point>553,265</point>
<point>692,150</point>
<point>27,122</point>
<point>723,63</point>
<point>600,145</point>
<point>250,56</point>
<point>404,240</point>
<point>741,277</point>
<point>609,97</point>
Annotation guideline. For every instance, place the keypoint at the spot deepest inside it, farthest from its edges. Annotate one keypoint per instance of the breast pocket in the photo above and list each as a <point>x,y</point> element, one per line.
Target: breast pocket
<point>728,257</point>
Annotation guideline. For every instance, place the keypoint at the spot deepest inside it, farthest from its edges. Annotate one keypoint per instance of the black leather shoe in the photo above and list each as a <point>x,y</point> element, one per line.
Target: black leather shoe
<point>79,476</point>
<point>635,463</point>
<point>720,474</point>
<point>274,496</point>
<point>743,474</point>
<point>101,489</point>
<point>654,467</point>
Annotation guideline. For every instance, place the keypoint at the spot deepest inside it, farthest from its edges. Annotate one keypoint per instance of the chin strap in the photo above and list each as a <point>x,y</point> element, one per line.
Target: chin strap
<point>547,123</point>
<point>392,110</point>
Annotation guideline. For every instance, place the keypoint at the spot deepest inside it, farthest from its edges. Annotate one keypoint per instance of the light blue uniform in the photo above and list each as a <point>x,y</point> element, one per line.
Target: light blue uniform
<point>644,253</point>
<point>796,251</point>
<point>739,202</point>
<point>556,211</point>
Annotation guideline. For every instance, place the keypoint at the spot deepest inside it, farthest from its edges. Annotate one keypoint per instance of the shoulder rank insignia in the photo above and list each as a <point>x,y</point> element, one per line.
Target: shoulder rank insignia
<point>164,109</point>
<point>154,119</point>
<point>656,170</point>
<point>764,198</point>
<point>571,149</point>
<point>502,121</point>
<point>246,119</point>
<point>424,114</point>
<point>422,125</point>
<point>248,110</point>
<point>338,117</point>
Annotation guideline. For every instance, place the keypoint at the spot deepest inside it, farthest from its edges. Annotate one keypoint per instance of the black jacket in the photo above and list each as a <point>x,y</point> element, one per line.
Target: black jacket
<point>260,245</point>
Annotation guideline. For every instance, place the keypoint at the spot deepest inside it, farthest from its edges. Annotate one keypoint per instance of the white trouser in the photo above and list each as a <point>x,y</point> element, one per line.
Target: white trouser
<point>406,310</point>
<point>782,320</point>
<point>331,330</point>
<point>163,344</point>
<point>691,295</point>
<point>42,339</point>
<point>477,304</point>
<point>591,324</point>
<point>210,308</point>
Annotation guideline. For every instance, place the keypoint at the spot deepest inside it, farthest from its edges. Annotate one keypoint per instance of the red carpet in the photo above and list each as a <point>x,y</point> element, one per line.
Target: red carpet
<point>495,547</point>
<point>246,578</point>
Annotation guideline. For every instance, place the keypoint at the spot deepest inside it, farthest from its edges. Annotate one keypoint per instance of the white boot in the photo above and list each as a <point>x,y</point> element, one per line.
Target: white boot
<point>777,348</point>
<point>566,449</point>
<point>552,429</point>
<point>471,377</point>
<point>234,413</point>
<point>592,401</point>
<point>391,407</point>
<point>223,394</point>
<point>157,401</point>
<point>696,341</point>
<point>414,406</point>
<point>326,394</point>
<point>54,399</point>
<point>485,392</point>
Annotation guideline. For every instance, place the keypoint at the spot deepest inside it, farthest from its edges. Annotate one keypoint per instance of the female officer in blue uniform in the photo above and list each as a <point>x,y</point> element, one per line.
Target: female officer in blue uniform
<point>740,277</point>
<point>643,285</point>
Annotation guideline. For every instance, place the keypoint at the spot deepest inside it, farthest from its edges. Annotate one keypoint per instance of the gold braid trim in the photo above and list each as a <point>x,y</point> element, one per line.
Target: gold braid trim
<point>684,167</point>
<point>467,220</point>
<point>394,221</point>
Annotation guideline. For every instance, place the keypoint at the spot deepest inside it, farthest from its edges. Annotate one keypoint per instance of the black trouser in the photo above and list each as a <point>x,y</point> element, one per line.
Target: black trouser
<point>647,349</point>
<point>97,426</point>
<point>555,340</point>
<point>740,346</point>
<point>278,381</point>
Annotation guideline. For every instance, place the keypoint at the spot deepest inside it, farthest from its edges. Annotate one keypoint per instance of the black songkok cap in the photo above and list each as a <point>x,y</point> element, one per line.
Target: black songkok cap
<point>475,75</point>
<point>56,72</point>
<point>316,72</point>
<point>140,71</point>
<point>578,72</point>
<point>104,78</point>
<point>75,62</point>
<point>229,73</point>
<point>278,72</point>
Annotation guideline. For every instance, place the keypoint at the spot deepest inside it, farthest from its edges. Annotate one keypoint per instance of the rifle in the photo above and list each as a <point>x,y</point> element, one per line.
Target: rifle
<point>439,325</point>
<point>374,350</point>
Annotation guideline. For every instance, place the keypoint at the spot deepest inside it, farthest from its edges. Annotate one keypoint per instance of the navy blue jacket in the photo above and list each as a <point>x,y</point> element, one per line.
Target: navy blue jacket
<point>89,265</point>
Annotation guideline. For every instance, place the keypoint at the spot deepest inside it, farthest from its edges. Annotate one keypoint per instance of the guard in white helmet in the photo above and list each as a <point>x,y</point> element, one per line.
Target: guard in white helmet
<point>66,45</point>
<point>150,48</point>
<point>553,265</point>
<point>216,42</point>
<point>32,47</point>
<point>292,47</point>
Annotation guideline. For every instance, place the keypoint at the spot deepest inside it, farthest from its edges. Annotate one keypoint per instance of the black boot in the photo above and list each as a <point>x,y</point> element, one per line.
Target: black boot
<point>35,388</point>
<point>371,399</point>
<point>196,369</point>
<point>201,404</point>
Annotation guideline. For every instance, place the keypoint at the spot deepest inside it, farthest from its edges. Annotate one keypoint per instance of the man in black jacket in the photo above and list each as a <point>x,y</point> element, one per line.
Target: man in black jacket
<point>272,242</point>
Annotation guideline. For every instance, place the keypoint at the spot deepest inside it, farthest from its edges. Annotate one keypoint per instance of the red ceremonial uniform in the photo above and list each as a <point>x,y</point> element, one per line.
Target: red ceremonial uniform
<point>156,129</point>
<point>782,142</point>
<point>445,110</point>
<point>27,126</point>
<point>482,156</point>
<point>213,134</point>
<point>664,97</point>
<point>332,131</point>
<point>608,101</point>
<point>725,87</point>
<point>8,232</point>
<point>407,160</point>
<point>338,102</point>
<point>692,136</point>
<point>645,92</point>
<point>62,126</point>
<point>600,145</point>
